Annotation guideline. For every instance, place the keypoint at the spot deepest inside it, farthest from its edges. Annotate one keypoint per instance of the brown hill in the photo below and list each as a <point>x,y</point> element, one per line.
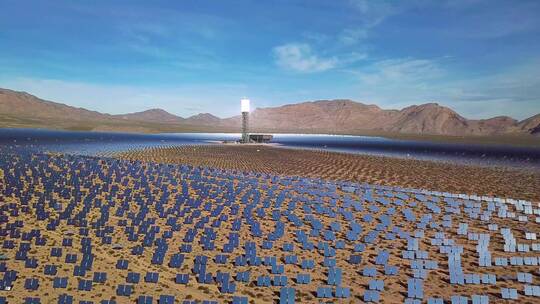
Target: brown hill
<point>495,125</point>
<point>530,125</point>
<point>152,115</point>
<point>332,115</point>
<point>323,116</point>
<point>203,119</point>
<point>24,104</point>
<point>346,116</point>
<point>22,110</point>
<point>432,118</point>
<point>429,118</point>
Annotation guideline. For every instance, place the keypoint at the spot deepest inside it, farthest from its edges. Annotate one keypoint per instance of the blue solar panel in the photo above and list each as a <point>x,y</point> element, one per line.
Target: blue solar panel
<point>376,285</point>
<point>457,299</point>
<point>286,295</point>
<point>240,300</point>
<point>122,264</point>
<point>342,292</point>
<point>100,277</point>
<point>303,278</point>
<point>391,270</point>
<point>324,292</point>
<point>524,277</point>
<point>371,296</point>
<point>480,299</point>
<point>133,277</point>
<point>279,280</point>
<point>509,293</point>
<point>382,257</point>
<point>369,272</point>
<point>415,288</point>
<point>50,270</point>
<point>532,290</point>
<point>124,290</point>
<point>65,299</point>
<point>32,300</point>
<point>31,284</point>
<point>263,281</point>
<point>71,258</point>
<point>60,282</point>
<point>334,276</point>
<point>144,299</point>
<point>355,259</point>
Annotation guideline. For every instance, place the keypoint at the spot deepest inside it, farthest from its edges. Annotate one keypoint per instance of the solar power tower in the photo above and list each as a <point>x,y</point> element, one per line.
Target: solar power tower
<point>244,105</point>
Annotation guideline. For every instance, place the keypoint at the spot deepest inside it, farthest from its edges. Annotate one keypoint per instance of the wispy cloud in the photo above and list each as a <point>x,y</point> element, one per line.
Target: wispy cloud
<point>374,12</point>
<point>370,14</point>
<point>352,36</point>
<point>341,48</point>
<point>299,57</point>
<point>143,32</point>
<point>396,83</point>
<point>478,19</point>
<point>512,91</point>
<point>407,70</point>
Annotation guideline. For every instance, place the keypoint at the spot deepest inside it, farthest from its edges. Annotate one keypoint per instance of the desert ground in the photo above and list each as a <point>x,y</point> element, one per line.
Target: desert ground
<point>378,170</point>
<point>269,212</point>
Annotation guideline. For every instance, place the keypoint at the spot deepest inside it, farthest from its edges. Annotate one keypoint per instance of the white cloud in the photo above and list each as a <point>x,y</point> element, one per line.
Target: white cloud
<point>299,57</point>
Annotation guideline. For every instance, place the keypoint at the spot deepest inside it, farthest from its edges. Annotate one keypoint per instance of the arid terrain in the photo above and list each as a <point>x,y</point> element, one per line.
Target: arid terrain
<point>254,229</point>
<point>436,176</point>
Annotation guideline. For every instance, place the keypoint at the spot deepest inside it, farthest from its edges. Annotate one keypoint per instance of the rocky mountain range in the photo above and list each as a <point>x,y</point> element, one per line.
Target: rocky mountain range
<point>20,109</point>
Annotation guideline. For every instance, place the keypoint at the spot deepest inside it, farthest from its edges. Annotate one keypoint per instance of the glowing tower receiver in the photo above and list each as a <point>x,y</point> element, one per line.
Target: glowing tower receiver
<point>244,106</point>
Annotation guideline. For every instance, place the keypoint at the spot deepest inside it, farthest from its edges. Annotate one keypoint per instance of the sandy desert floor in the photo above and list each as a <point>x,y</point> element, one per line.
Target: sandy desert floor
<point>146,199</point>
<point>437,176</point>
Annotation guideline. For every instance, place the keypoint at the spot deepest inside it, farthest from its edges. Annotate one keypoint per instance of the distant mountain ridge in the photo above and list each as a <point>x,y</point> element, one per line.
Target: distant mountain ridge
<point>344,116</point>
<point>151,115</point>
<point>22,103</point>
<point>328,116</point>
<point>204,119</point>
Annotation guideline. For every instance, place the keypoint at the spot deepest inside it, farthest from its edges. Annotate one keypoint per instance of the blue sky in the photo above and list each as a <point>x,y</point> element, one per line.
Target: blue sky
<point>480,57</point>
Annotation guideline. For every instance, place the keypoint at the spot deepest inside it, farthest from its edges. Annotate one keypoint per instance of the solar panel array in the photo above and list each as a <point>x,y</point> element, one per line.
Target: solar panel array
<point>98,230</point>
